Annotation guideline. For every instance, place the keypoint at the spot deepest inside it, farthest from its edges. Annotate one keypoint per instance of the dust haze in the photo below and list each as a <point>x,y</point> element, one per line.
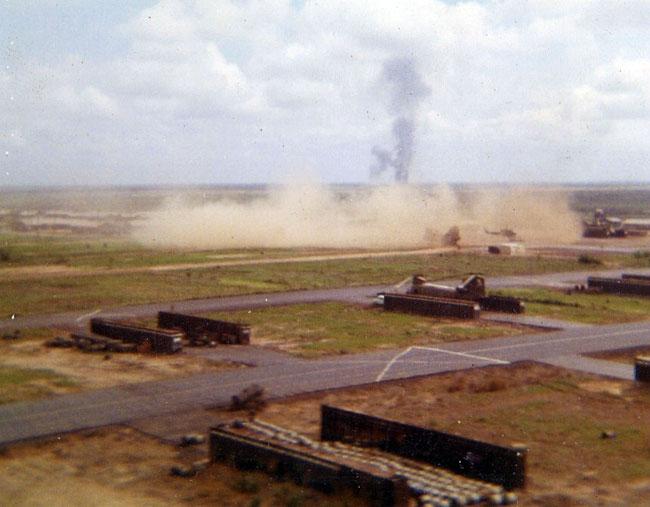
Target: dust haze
<point>396,216</point>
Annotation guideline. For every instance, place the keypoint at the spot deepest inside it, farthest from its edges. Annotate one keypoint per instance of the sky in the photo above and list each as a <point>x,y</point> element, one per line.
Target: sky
<point>246,91</point>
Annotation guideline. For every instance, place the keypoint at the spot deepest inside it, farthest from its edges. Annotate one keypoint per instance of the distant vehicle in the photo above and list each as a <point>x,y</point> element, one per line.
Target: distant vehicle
<point>603,226</point>
<point>512,248</point>
<point>508,233</point>
<point>451,237</point>
<point>472,288</point>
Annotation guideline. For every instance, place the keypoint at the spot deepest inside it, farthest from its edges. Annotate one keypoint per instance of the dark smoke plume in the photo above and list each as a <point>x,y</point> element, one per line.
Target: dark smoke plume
<point>407,91</point>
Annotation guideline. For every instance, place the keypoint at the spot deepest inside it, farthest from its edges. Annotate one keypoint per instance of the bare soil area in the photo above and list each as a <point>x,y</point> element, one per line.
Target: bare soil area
<point>121,467</point>
<point>83,370</point>
<point>560,415</point>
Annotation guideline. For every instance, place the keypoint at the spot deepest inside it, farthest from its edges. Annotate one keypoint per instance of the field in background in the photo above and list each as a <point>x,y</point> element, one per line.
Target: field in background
<point>60,293</point>
<point>118,211</point>
<point>24,250</point>
<point>620,199</point>
<point>28,261</point>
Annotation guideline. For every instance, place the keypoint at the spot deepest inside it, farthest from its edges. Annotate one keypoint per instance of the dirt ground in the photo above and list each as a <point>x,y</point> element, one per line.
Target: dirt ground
<point>97,370</point>
<point>122,467</point>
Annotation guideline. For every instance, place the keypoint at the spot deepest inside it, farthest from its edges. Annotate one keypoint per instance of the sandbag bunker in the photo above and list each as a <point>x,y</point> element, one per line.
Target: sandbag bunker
<point>465,301</point>
<point>387,462</point>
<point>628,283</point>
<point>174,330</point>
<point>432,306</point>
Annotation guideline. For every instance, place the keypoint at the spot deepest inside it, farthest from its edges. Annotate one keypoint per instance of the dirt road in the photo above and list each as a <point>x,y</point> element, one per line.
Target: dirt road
<point>39,271</point>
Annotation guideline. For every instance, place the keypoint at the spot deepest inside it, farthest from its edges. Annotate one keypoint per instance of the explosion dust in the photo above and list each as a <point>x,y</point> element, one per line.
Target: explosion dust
<point>396,216</point>
<point>407,90</point>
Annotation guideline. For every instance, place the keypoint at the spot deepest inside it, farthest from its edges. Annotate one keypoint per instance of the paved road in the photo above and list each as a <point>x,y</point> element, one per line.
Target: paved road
<point>137,401</point>
<point>245,302</point>
<point>194,306</point>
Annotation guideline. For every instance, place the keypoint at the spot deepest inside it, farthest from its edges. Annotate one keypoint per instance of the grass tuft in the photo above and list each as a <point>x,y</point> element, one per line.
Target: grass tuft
<point>20,384</point>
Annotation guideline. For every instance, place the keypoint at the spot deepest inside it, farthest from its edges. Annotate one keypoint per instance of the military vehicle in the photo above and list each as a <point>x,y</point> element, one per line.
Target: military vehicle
<point>451,237</point>
<point>472,288</point>
<point>435,298</point>
<point>508,233</point>
<point>603,226</point>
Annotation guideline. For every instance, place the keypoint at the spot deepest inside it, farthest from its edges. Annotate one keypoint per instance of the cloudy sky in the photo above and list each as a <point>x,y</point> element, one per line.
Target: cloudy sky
<point>246,91</point>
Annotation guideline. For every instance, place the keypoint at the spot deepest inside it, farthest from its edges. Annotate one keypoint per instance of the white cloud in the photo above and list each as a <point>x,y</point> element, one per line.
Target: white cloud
<point>167,20</point>
<point>242,91</point>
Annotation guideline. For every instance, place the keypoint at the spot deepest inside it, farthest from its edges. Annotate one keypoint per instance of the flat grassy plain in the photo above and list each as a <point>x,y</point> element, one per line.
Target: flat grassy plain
<point>21,250</point>
<point>580,307</point>
<point>51,294</point>
<point>335,328</point>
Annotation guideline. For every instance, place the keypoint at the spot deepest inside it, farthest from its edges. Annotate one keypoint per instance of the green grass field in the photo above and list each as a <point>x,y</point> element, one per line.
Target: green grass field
<point>17,250</point>
<point>58,293</point>
<point>337,328</point>
<point>578,307</point>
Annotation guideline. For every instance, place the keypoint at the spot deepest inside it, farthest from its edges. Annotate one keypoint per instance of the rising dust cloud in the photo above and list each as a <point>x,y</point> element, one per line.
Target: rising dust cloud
<point>396,216</point>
